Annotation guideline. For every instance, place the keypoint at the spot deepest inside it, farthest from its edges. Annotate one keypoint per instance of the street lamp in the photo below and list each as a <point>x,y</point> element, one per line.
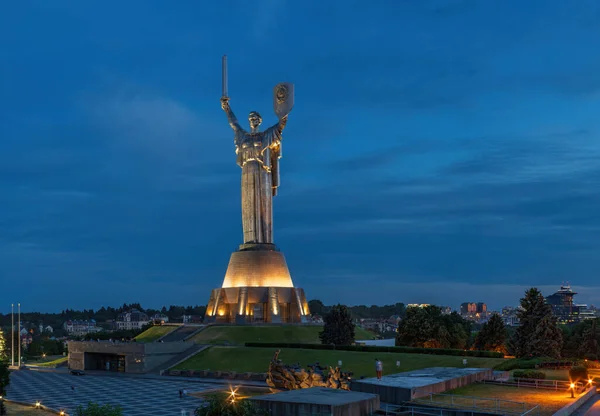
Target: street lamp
<point>572,390</point>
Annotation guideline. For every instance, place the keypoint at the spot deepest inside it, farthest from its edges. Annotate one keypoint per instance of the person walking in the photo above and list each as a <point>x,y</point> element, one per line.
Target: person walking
<point>378,368</point>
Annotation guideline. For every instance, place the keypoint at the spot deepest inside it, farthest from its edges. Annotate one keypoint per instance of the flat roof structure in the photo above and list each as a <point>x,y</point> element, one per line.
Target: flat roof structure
<point>317,401</point>
<point>402,387</point>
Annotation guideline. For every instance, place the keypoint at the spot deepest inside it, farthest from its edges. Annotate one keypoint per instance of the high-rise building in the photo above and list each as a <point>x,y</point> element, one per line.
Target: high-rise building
<point>564,309</point>
<point>481,307</point>
<point>468,308</point>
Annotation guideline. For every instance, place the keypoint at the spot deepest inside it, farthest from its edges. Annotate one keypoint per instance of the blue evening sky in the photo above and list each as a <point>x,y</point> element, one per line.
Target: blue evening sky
<point>438,151</point>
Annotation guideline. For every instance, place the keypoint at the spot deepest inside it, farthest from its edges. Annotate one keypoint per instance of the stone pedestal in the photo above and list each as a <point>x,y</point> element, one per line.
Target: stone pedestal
<point>257,288</point>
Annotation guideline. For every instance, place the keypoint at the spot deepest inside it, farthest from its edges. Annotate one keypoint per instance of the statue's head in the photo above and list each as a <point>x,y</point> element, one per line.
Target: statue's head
<point>255,119</point>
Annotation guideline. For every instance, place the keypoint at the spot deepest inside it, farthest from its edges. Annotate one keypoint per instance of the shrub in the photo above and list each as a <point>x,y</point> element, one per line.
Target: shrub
<point>219,405</point>
<point>529,374</point>
<point>371,348</point>
<point>591,357</point>
<point>591,364</point>
<point>578,373</point>
<point>530,363</point>
<point>94,409</point>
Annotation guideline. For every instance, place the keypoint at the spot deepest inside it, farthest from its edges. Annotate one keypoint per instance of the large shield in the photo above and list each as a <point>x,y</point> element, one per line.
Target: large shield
<point>283,98</point>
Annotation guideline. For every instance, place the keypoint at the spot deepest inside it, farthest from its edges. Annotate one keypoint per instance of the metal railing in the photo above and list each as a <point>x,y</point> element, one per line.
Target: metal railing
<point>407,410</point>
<point>538,384</point>
<point>490,405</point>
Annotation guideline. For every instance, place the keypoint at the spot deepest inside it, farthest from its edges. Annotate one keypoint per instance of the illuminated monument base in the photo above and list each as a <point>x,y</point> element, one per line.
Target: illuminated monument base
<point>257,288</point>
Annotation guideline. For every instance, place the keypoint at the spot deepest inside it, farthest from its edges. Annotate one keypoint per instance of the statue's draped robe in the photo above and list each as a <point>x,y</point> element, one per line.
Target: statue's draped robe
<point>257,155</point>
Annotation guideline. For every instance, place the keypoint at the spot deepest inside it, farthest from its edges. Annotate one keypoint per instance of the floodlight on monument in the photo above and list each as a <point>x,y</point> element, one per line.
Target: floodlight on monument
<point>38,404</point>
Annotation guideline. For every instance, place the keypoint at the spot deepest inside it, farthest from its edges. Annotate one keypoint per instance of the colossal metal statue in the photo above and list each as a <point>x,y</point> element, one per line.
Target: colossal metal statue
<point>258,155</point>
<point>258,264</point>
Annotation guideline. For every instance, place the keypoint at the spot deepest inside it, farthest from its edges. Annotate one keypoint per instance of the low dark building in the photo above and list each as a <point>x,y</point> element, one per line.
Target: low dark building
<point>127,357</point>
<point>318,401</point>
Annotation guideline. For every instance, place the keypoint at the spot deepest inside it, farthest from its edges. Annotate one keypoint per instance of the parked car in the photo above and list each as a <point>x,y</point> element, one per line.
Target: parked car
<point>77,373</point>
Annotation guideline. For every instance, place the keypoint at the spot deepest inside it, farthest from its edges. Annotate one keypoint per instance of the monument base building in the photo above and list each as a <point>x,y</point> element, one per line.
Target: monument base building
<point>257,289</point>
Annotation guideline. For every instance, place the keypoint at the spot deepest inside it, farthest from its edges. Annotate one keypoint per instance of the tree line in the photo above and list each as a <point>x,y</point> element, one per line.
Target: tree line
<point>361,311</point>
<point>538,334</point>
<point>104,314</point>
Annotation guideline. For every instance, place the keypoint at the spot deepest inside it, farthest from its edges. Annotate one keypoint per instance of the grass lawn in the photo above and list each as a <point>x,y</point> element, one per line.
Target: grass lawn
<point>242,359</point>
<point>18,410</point>
<point>238,335</point>
<point>154,333</point>
<point>549,400</point>
<point>54,363</point>
<point>43,360</point>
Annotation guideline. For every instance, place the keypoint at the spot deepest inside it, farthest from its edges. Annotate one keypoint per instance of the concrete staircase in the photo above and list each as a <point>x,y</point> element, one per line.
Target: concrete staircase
<point>181,333</point>
<point>179,358</point>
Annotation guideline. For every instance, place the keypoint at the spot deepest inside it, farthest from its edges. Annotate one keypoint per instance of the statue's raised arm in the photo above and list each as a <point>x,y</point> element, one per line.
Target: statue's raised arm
<point>233,122</point>
<point>280,125</point>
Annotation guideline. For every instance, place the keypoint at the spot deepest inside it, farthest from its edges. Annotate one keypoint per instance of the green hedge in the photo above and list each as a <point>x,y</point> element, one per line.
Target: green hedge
<point>373,348</point>
<point>518,363</point>
<point>539,375</point>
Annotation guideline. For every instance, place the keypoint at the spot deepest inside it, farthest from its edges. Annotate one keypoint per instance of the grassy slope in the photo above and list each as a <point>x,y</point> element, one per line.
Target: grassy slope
<point>238,335</point>
<point>154,333</point>
<point>243,359</point>
<point>53,363</point>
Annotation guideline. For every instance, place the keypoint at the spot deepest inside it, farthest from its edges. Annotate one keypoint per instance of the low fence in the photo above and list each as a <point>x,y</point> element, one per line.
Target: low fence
<point>480,404</point>
<point>422,410</point>
<point>229,375</point>
<point>538,384</point>
<point>395,410</point>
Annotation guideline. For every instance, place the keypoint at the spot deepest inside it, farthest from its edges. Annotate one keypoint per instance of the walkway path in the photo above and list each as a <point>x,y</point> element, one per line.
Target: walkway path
<point>137,396</point>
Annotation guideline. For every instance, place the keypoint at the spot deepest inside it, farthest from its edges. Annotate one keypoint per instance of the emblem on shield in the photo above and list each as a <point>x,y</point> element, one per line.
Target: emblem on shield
<point>283,98</point>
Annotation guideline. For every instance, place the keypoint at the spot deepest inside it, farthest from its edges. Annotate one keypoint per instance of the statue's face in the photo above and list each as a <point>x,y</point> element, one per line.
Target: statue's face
<point>255,119</point>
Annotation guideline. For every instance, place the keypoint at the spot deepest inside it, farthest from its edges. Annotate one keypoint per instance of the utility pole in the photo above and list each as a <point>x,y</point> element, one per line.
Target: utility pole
<point>12,334</point>
<point>19,307</point>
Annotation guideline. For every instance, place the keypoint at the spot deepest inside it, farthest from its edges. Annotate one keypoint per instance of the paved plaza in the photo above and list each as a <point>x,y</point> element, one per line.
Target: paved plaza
<point>136,396</point>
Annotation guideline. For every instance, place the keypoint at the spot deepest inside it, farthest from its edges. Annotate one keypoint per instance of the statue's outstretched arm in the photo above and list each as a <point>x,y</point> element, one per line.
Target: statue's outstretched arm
<point>277,129</point>
<point>280,124</point>
<point>233,122</point>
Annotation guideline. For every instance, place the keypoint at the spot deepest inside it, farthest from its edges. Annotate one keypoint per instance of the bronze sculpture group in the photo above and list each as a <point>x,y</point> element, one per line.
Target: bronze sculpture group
<point>293,377</point>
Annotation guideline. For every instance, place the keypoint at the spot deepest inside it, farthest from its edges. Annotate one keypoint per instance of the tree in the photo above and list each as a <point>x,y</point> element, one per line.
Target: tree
<point>4,372</point>
<point>219,405</point>
<point>458,330</point>
<point>589,344</point>
<point>538,334</point>
<point>338,328</point>
<point>428,328</point>
<point>492,336</point>
<point>316,307</point>
<point>95,409</point>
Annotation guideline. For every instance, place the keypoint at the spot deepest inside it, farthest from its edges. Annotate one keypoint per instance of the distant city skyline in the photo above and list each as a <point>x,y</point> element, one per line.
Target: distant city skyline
<point>491,306</point>
<point>438,152</point>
